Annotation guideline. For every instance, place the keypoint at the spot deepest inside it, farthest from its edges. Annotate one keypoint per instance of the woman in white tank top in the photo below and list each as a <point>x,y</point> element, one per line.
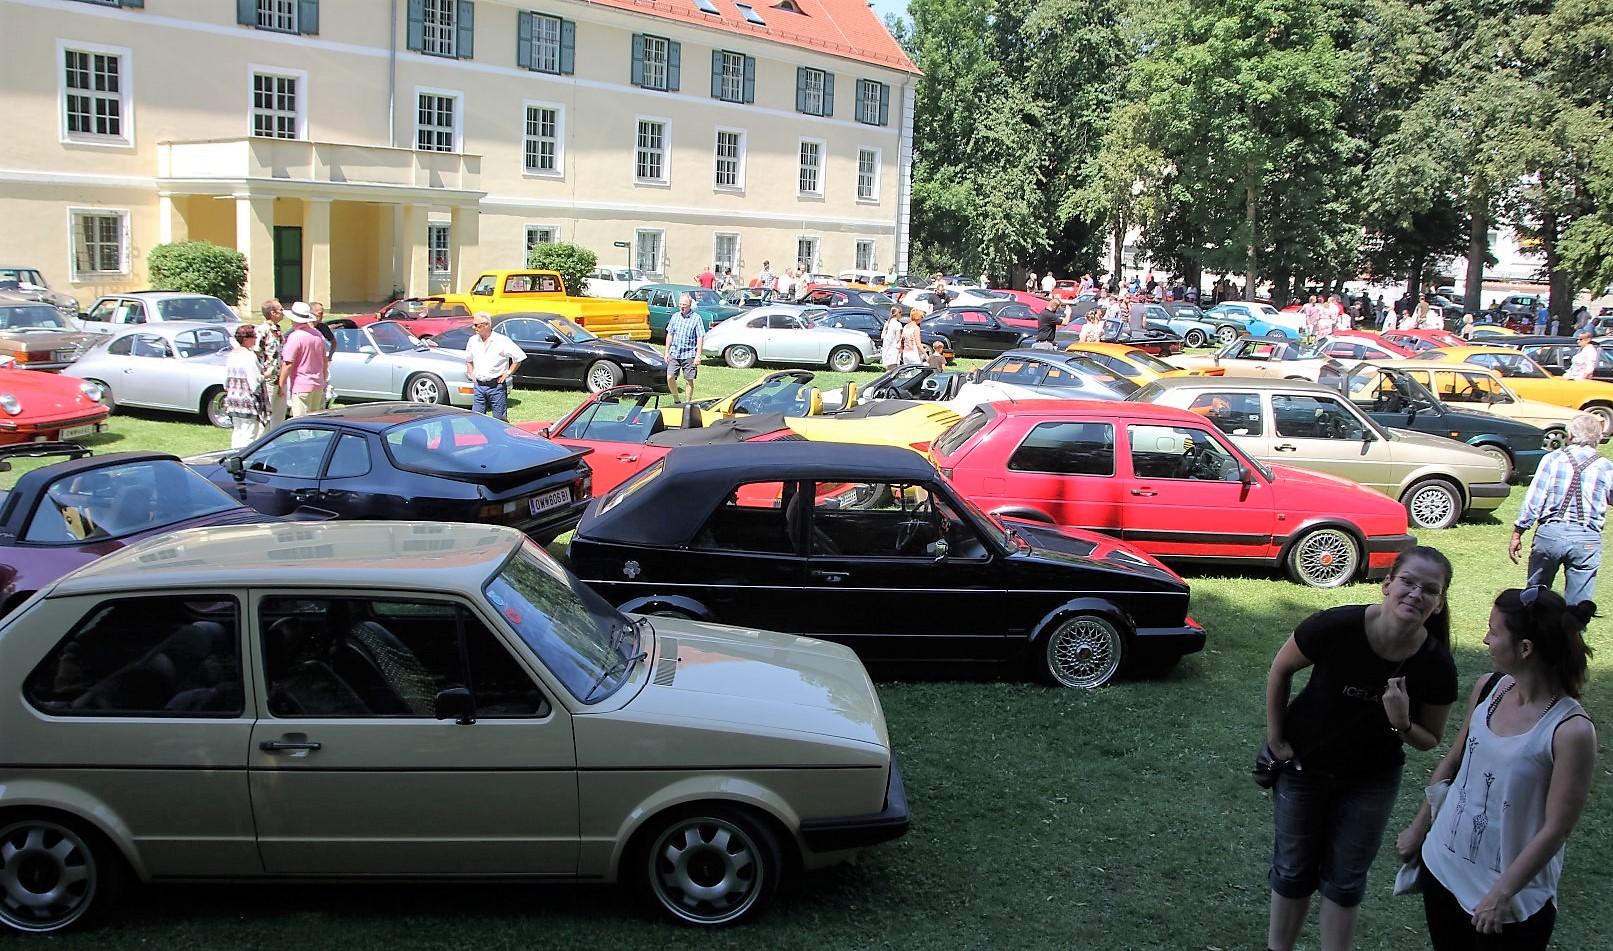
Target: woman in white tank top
<point>1519,773</point>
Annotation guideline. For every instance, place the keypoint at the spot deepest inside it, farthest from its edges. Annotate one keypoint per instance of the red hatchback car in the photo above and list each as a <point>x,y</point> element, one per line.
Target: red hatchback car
<point>45,407</point>
<point>1170,483</point>
<point>425,317</point>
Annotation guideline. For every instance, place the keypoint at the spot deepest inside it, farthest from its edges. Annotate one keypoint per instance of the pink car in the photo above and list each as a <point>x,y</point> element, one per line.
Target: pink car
<point>425,317</point>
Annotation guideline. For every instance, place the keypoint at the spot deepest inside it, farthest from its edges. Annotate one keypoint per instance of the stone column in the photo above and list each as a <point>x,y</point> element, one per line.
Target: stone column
<point>171,224</point>
<point>254,237</point>
<point>415,252</point>
<point>316,248</point>
<point>464,246</point>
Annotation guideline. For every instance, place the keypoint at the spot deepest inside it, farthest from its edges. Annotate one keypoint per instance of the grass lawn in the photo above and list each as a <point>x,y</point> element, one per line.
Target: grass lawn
<point>1119,818</point>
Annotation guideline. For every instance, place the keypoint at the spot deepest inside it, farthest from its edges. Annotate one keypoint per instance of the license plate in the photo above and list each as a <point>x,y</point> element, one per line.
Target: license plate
<point>73,432</point>
<point>549,500</point>
<point>621,336</point>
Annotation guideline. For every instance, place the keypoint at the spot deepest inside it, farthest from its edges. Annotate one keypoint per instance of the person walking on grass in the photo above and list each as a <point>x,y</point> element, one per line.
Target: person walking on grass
<point>1567,505</point>
<point>243,388</point>
<point>685,337</point>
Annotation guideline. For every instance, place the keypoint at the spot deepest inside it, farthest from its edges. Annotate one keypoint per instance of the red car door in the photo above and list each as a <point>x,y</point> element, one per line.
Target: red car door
<point>614,426</point>
<point>1186,496</point>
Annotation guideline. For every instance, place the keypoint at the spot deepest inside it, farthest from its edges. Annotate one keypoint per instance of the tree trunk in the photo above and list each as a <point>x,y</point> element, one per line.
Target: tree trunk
<point>1414,280</point>
<point>1194,278</point>
<point>1478,251</point>
<point>1562,293</point>
<point>1251,266</point>
<point>1117,277</point>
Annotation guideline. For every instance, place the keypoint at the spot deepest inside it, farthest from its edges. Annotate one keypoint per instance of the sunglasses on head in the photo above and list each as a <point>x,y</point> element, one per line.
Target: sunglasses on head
<point>1528,596</point>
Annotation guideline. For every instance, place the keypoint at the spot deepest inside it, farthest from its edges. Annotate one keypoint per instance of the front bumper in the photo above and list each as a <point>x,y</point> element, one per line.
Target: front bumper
<point>1171,641</point>
<point>1486,496</point>
<point>855,832</point>
<point>1382,550</point>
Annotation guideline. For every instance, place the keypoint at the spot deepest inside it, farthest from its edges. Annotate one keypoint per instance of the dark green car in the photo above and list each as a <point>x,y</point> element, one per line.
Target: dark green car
<point>663,301</point>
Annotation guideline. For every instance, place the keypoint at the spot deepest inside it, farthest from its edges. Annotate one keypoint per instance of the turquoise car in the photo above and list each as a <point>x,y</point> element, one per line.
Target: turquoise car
<point>663,301</point>
<point>1254,319</point>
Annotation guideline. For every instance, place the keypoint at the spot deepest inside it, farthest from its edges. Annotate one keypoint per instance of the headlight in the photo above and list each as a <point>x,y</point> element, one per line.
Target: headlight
<point>91,390</point>
<point>10,404</point>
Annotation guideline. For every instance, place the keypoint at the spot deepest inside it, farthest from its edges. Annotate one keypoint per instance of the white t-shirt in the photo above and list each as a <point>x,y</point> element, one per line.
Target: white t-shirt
<point>1048,282</point>
<point>490,360</point>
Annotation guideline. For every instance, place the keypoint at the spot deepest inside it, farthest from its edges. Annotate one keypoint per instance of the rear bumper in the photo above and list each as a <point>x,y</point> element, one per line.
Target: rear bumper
<point>855,832</point>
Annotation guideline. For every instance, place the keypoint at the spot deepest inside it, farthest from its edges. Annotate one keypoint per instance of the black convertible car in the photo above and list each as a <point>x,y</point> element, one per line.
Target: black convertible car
<point>869,546</point>
<point>560,353</point>
<point>416,462</point>
<point>872,323</point>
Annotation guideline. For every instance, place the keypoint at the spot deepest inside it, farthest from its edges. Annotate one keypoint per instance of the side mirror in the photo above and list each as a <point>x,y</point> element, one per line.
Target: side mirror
<point>544,432</point>
<point>1245,474</point>
<point>554,342</point>
<point>234,466</point>
<point>456,703</point>
<point>941,549</point>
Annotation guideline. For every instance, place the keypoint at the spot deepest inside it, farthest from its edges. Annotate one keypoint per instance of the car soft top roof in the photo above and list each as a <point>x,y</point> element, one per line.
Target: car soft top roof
<point>696,479</point>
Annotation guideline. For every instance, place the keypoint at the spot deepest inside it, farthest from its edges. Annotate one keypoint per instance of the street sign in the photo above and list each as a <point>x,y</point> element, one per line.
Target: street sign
<point>622,244</point>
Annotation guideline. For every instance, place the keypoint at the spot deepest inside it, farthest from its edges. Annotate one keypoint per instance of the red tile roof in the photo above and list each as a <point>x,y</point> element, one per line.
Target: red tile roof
<point>847,28</point>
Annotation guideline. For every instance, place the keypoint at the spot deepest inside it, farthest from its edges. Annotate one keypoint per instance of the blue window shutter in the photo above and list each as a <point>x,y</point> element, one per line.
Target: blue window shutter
<point>568,47</point>
<point>308,17</point>
<point>828,94</point>
<point>417,25</point>
<point>132,3</point>
<point>246,12</point>
<point>750,80</point>
<point>674,64</point>
<point>523,39</point>
<point>884,104</point>
<point>636,76</point>
<point>465,27</point>
<point>716,74</point>
<point>800,88</point>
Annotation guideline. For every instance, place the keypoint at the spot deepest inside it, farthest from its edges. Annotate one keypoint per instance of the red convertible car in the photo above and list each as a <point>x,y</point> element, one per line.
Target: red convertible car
<point>1170,483</point>
<point>46,407</point>
<point>425,317</point>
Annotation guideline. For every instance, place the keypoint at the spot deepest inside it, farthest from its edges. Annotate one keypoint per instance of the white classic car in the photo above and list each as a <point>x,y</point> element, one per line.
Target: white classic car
<point>786,333</point>
<point>614,281</point>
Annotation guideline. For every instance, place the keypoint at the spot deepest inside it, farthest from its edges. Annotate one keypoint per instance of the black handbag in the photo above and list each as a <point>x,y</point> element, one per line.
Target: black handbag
<point>1267,767</point>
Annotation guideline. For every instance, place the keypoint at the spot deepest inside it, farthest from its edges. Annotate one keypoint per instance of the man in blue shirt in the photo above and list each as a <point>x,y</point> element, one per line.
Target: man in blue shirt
<point>685,336</point>
<point>1567,504</point>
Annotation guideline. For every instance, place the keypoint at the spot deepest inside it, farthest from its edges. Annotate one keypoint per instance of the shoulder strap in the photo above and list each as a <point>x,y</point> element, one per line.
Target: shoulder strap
<point>1489,688</point>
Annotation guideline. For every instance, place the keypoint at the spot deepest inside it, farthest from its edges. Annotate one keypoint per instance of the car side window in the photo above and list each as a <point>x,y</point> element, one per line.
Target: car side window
<point>975,318</point>
<point>1014,370</point>
<point>122,347</point>
<point>295,452</point>
<point>757,323</point>
<point>1180,452</point>
<point>1236,414</point>
<point>102,312</point>
<point>1312,417</point>
<point>751,518</point>
<point>146,657</point>
<point>362,657</point>
<point>1067,449</point>
<point>150,346</point>
<point>875,520</point>
<point>781,322</point>
<point>618,419</point>
<point>351,458</point>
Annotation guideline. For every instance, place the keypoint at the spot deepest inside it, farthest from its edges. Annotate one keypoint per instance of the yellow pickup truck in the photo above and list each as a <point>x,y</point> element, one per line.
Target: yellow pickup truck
<point>510,292</point>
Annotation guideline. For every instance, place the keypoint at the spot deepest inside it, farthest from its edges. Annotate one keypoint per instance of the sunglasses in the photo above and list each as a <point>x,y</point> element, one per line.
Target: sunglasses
<point>1528,596</point>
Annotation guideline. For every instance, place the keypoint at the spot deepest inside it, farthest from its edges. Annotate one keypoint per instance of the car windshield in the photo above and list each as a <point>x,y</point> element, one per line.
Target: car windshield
<point>33,317</point>
<point>196,308</point>
<point>565,330</point>
<point>1145,359</point>
<point>704,298</point>
<point>469,444</point>
<point>120,500</point>
<point>390,338</point>
<point>583,641</point>
<point>13,278</point>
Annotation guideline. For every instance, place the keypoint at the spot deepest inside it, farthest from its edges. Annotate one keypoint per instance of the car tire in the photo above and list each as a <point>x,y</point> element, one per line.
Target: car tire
<point>107,399</point>
<point>213,409</point>
<point>739,357</point>
<point>1081,651</point>
<point>1556,438</point>
<point>1196,338</point>
<point>1432,504</point>
<point>1323,558</point>
<point>1499,454</point>
<point>1603,412</point>
<point>601,375</point>
<point>1276,335</point>
<point>425,388</point>
<point>1226,333</point>
<point>844,360</point>
<point>709,865</point>
<point>55,873</point>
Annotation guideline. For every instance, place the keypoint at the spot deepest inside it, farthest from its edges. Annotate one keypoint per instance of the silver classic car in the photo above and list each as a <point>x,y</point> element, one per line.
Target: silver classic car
<point>423,700</point>
<point>786,333</point>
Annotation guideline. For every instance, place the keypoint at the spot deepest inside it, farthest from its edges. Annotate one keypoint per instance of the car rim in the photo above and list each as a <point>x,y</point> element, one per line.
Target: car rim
<point>1084,652</point>
<point>706,870</point>
<point>1227,334</point>
<point>741,358</point>
<point>1432,507</point>
<point>601,377</point>
<point>1325,559</point>
<point>1195,338</point>
<point>1500,455</point>
<point>47,876</point>
<point>1556,439</point>
<point>843,361</point>
<point>216,413</point>
<point>424,390</point>
<point>1605,414</point>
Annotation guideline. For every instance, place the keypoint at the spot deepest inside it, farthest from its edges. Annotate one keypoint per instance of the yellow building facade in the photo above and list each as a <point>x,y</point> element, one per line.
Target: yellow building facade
<point>360,149</point>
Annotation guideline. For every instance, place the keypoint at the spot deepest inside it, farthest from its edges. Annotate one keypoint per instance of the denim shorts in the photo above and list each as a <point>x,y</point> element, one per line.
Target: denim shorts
<point>1329,829</point>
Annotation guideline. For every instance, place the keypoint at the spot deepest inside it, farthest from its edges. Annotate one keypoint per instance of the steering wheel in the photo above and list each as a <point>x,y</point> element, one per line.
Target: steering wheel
<point>907,533</point>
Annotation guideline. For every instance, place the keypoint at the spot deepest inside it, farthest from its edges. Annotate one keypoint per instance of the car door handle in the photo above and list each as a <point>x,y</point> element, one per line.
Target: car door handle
<point>1144,492</point>
<point>831,576</point>
<point>1286,447</point>
<point>276,746</point>
<point>627,457</point>
<point>304,495</point>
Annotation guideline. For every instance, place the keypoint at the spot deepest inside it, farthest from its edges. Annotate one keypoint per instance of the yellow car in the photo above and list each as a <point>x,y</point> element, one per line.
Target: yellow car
<point>1529,380</point>
<point>1480,331</point>
<point>1465,386</point>
<point>1138,366</point>
<point>835,416</point>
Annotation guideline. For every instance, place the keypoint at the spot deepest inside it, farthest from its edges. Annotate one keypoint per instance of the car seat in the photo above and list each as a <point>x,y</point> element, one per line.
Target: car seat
<point>388,677</point>
<point>691,417</point>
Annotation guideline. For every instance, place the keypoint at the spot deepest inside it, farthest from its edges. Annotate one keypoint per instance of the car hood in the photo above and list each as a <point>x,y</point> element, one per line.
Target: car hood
<point>703,681</point>
<point>1063,544</point>
<point>1307,490</point>
<point>1456,452</point>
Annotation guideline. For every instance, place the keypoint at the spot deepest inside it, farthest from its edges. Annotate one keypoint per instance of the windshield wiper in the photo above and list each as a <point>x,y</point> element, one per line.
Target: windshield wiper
<point>626,661</point>
<point>622,665</point>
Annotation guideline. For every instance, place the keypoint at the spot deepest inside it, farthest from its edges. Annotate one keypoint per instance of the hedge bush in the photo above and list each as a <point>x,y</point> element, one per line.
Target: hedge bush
<point>573,262</point>
<point>198,267</point>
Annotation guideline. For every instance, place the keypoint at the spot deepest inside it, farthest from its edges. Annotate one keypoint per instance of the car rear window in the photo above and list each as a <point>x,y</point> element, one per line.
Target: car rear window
<point>960,432</point>
<point>468,445</point>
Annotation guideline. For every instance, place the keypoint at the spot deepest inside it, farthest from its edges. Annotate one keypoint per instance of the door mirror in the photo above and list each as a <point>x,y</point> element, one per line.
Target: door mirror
<point>234,466</point>
<point>941,549</point>
<point>457,704</point>
<point>1245,474</point>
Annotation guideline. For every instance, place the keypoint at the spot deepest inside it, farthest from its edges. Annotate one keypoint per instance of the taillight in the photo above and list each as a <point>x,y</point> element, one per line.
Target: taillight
<point>26,357</point>
<point>921,446</point>
<point>946,472</point>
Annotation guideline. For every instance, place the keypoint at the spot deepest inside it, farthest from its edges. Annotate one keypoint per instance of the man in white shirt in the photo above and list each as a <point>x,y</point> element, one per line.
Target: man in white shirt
<point>490,360</point>
<point>1583,366</point>
<point>1048,283</point>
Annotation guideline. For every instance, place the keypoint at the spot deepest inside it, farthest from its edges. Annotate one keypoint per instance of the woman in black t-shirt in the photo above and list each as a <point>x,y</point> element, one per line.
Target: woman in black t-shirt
<point>1383,677</point>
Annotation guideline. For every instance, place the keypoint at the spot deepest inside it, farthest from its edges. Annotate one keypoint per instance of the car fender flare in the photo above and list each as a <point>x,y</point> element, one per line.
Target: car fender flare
<point>650,603</point>
<point>1424,473</point>
<point>42,795</point>
<point>1492,440</point>
<point>767,803</point>
<point>1086,605</point>
<point>1304,528</point>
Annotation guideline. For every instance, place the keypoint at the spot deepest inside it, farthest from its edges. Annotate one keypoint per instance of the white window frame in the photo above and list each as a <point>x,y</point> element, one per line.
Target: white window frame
<point>657,61</point>
<point>125,95</point>
<point>738,184</point>
<point>872,197</point>
<point>439,33</point>
<point>801,167</point>
<point>639,234</point>
<point>810,261</point>
<point>665,150</point>
<point>299,76</point>
<point>93,276</point>
<point>459,117</point>
<point>815,108</point>
<point>546,50</point>
<point>872,248</point>
<point>716,259</point>
<point>733,80</point>
<point>532,230</point>
<point>440,249</point>
<point>527,138</point>
<point>287,14</point>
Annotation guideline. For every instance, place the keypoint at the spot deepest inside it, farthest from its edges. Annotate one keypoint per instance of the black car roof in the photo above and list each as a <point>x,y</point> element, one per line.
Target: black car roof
<point>696,479</point>
<point>381,416</point>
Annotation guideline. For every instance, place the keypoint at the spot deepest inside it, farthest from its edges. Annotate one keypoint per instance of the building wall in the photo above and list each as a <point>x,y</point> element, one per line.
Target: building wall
<point>187,66</point>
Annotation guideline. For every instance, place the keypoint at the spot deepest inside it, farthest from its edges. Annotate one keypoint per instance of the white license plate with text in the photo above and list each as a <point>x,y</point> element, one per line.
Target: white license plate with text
<point>549,500</point>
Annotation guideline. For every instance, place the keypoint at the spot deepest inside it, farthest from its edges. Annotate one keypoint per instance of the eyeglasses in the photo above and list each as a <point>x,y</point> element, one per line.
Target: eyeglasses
<point>1425,587</point>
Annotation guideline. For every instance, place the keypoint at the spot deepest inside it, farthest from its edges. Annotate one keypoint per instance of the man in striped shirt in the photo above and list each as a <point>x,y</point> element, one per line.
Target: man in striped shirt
<point>1567,504</point>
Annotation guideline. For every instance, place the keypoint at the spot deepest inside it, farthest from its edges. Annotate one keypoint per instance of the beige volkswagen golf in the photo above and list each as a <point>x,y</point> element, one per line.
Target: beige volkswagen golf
<point>353,699</point>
